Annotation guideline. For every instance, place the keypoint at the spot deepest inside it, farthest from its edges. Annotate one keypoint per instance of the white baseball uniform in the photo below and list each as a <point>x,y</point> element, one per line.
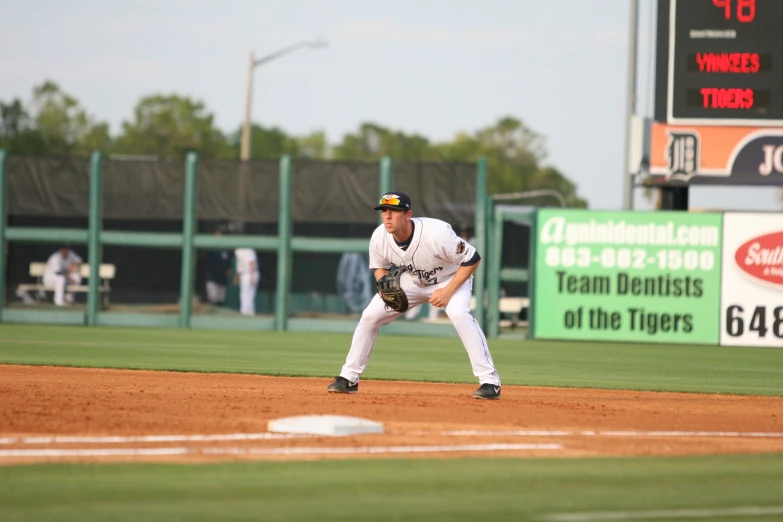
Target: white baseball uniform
<point>57,274</point>
<point>249,276</point>
<point>433,256</point>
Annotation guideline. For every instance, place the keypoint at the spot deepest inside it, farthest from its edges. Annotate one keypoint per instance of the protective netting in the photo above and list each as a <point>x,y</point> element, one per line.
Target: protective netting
<point>143,189</point>
<point>40,186</point>
<point>335,192</point>
<point>444,191</point>
<point>323,191</point>
<point>329,199</point>
<point>238,191</point>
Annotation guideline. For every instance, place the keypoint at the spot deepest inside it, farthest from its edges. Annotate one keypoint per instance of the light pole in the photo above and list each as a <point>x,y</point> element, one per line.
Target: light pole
<point>313,44</point>
<point>630,103</point>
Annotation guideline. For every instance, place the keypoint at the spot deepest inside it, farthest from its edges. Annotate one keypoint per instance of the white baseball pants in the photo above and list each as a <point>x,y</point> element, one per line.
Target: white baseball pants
<point>458,311</point>
<point>58,282</point>
<point>248,283</point>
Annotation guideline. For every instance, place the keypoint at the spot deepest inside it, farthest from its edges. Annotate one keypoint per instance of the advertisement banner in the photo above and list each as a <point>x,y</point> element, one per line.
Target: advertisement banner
<point>716,155</point>
<point>752,285</point>
<point>627,276</point>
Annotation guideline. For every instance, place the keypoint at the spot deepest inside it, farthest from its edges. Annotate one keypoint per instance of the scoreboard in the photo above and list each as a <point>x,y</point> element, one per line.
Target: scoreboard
<point>720,62</point>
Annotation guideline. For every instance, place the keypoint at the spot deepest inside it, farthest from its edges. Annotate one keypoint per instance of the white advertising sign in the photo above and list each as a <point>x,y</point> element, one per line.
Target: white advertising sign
<point>752,280</point>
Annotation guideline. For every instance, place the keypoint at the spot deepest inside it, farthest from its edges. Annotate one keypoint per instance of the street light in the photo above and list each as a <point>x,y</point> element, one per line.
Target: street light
<point>313,44</point>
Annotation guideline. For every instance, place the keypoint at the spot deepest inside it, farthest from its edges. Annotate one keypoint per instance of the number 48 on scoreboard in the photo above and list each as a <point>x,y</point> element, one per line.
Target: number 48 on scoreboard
<point>746,9</point>
<point>720,62</point>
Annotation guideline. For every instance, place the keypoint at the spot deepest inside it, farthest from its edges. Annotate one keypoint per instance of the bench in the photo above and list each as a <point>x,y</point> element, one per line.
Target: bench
<point>106,273</point>
<point>511,307</point>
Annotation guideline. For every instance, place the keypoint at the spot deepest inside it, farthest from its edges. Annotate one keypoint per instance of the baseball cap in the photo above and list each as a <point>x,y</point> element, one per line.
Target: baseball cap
<point>395,201</point>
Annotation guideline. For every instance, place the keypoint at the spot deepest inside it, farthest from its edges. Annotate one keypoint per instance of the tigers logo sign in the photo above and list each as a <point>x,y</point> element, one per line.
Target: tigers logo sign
<point>682,154</point>
<point>461,248</point>
<point>716,155</point>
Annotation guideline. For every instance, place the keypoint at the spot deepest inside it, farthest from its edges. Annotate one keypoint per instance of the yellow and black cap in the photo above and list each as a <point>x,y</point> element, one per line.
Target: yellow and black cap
<point>394,201</point>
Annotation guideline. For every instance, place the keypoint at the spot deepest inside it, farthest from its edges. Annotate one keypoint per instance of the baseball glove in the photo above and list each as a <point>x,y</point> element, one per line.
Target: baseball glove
<point>392,293</point>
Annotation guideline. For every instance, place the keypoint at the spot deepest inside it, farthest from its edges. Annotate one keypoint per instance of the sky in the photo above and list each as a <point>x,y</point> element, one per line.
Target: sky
<point>432,67</point>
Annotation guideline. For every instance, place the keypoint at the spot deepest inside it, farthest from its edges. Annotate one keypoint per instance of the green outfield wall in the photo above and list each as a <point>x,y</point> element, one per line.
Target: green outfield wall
<point>675,277</point>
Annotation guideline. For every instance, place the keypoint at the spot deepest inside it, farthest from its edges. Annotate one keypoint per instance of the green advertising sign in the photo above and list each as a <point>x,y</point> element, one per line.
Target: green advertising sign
<point>627,276</point>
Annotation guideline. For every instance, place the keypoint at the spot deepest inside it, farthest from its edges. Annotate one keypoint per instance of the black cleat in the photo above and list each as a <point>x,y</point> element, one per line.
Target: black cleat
<point>342,385</point>
<point>487,391</point>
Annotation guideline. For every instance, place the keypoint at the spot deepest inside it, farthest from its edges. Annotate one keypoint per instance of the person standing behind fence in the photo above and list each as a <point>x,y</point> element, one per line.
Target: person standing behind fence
<point>62,268</point>
<point>218,269</point>
<point>247,277</point>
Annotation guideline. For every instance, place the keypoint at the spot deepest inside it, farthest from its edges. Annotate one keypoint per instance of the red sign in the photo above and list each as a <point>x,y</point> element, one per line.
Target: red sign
<point>762,258</point>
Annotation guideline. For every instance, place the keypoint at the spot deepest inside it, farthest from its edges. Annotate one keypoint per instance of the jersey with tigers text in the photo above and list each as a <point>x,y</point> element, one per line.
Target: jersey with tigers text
<point>434,255</point>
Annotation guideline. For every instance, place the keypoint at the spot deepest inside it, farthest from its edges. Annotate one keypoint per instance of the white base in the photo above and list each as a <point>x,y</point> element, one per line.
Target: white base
<point>332,425</point>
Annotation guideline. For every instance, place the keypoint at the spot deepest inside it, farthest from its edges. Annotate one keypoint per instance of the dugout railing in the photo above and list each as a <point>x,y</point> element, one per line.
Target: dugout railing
<point>498,273</point>
<point>284,244</point>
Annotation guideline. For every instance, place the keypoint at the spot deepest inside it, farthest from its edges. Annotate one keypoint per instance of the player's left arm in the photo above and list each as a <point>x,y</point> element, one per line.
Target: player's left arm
<point>74,262</point>
<point>441,297</point>
<point>453,248</point>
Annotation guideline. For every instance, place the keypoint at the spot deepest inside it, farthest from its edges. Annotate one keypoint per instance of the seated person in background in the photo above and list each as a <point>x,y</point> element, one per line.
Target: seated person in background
<point>62,269</point>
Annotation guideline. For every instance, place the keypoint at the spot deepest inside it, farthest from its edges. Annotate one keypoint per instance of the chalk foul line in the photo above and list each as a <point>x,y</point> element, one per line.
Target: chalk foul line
<point>117,452</point>
<point>664,514</point>
<point>612,433</point>
<point>281,436</point>
<point>151,438</point>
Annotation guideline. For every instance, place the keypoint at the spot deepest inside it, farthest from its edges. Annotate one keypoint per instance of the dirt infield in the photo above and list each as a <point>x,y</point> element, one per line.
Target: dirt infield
<point>75,414</point>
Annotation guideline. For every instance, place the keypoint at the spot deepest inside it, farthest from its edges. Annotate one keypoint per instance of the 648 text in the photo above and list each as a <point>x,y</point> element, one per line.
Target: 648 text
<point>737,320</point>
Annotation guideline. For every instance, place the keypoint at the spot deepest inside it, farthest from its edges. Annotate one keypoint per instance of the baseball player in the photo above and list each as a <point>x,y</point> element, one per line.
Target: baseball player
<point>439,269</point>
<point>247,277</point>
<point>62,268</point>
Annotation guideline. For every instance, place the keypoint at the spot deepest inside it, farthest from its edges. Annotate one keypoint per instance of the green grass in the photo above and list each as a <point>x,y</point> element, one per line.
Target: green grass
<point>691,368</point>
<point>469,489</point>
<point>388,490</point>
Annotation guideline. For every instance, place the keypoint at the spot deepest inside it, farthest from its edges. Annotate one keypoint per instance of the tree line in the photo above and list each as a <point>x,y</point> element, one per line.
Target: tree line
<point>54,123</point>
